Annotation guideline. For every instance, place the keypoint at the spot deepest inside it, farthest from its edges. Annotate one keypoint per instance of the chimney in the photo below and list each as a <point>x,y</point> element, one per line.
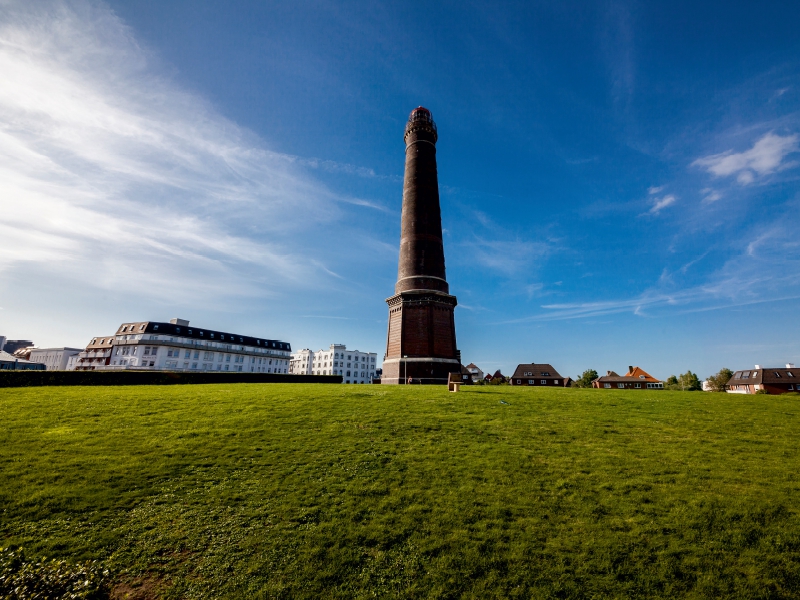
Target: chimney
<point>181,322</point>
<point>608,373</point>
<point>630,369</point>
<point>790,365</point>
<point>758,366</point>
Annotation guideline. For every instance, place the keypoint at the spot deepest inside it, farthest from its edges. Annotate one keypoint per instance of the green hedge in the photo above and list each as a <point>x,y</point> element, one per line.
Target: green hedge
<point>41,378</point>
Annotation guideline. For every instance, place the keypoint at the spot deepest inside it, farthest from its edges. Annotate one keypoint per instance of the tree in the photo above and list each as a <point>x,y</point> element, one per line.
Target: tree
<point>672,383</point>
<point>585,380</point>
<point>689,382</point>
<point>719,382</point>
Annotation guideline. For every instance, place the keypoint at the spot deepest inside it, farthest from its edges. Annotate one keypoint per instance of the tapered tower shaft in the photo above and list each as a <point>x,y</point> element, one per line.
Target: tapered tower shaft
<point>421,341</point>
<point>421,264</point>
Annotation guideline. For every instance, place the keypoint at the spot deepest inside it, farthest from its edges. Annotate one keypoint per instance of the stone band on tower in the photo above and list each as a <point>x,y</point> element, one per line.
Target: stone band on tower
<point>421,342</point>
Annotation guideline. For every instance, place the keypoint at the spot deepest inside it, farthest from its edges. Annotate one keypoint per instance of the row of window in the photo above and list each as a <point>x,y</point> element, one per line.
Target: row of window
<point>749,374</point>
<point>211,335</point>
<point>542,374</point>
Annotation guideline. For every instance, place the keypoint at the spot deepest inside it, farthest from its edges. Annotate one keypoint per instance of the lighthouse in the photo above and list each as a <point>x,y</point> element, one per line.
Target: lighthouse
<point>421,341</point>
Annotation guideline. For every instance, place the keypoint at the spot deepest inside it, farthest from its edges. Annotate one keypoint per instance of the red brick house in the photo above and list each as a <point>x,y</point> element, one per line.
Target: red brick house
<point>773,380</point>
<point>635,379</point>
<point>497,375</point>
<point>538,375</point>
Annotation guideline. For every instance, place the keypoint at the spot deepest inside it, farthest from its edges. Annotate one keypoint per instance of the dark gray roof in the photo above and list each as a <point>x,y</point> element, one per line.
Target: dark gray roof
<point>766,375</point>
<point>536,370</point>
<point>199,333</point>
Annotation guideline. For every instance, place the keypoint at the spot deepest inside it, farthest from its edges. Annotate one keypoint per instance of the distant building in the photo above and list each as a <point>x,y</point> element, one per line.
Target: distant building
<point>773,380</point>
<point>177,346</point>
<point>11,346</point>
<point>9,362</point>
<point>354,366</point>
<point>96,354</point>
<point>538,375</point>
<point>497,375</point>
<point>635,379</point>
<point>474,372</point>
<point>300,363</point>
<point>54,359</point>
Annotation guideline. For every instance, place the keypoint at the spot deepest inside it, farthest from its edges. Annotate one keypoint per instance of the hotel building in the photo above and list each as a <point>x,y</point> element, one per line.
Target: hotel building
<point>177,346</point>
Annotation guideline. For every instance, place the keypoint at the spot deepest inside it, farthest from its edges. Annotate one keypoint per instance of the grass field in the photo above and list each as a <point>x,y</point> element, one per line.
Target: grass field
<point>333,491</point>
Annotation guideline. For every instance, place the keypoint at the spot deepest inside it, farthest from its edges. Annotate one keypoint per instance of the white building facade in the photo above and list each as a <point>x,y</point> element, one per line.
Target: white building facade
<point>177,346</point>
<point>354,366</point>
<point>300,363</point>
<point>54,359</point>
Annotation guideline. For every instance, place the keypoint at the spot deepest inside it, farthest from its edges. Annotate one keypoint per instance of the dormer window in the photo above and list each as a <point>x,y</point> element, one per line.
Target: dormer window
<point>141,327</point>
<point>777,374</point>
<point>745,374</point>
<point>641,376</point>
<point>212,336</point>
<point>155,327</point>
<point>123,329</point>
<point>789,374</point>
<point>177,330</point>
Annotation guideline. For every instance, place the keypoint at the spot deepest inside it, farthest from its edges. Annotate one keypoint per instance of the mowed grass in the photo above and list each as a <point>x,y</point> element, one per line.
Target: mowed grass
<point>335,491</point>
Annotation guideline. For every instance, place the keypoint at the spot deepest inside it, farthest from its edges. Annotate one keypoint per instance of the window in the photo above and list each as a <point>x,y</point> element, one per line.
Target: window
<point>638,386</point>
<point>745,374</point>
<point>789,374</point>
<point>543,381</point>
<point>555,382</point>
<point>519,382</point>
<point>348,374</point>
<point>621,386</point>
<point>530,381</point>
<point>155,327</point>
<point>607,385</point>
<point>790,387</point>
<point>777,374</point>
<point>545,374</point>
<point>641,376</point>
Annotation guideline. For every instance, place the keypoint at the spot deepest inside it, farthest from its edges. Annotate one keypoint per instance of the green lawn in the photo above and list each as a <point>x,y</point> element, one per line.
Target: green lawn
<point>335,491</point>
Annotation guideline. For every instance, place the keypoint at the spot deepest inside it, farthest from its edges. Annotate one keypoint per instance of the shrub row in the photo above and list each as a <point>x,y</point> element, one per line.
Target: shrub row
<point>58,378</point>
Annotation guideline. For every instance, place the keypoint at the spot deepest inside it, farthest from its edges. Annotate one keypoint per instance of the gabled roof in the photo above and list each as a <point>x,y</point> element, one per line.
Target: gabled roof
<point>473,366</point>
<point>769,375</point>
<point>536,370</point>
<point>641,374</point>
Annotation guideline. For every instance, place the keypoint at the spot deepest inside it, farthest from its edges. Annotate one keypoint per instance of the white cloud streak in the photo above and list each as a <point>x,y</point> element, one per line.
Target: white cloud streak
<point>660,204</point>
<point>766,156</point>
<point>111,173</point>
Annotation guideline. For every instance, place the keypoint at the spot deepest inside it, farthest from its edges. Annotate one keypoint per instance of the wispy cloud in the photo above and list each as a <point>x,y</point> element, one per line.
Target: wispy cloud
<point>766,156</point>
<point>710,195</point>
<point>763,270</point>
<point>660,204</point>
<point>113,174</point>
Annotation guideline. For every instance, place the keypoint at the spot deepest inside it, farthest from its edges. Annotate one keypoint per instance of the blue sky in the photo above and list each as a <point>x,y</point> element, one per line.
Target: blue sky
<point>619,181</point>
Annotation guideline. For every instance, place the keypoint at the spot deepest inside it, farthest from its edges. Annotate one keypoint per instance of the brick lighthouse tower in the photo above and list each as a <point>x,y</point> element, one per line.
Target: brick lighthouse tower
<point>421,343</point>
